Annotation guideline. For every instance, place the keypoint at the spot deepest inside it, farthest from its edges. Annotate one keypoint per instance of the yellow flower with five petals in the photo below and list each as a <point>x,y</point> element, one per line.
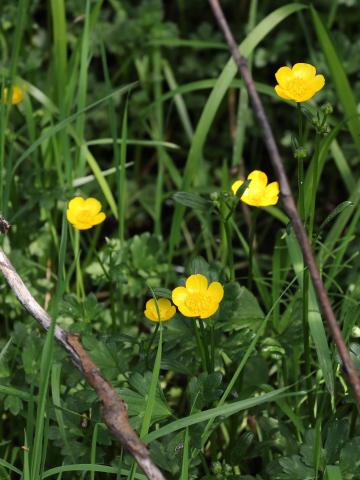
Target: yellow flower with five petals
<point>299,83</point>
<point>84,213</point>
<point>198,298</point>
<point>166,310</point>
<point>259,193</point>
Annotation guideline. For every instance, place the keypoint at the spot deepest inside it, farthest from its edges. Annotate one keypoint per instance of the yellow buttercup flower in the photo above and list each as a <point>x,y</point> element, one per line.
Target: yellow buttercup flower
<point>259,193</point>
<point>84,213</point>
<point>197,298</point>
<point>166,310</point>
<point>16,97</point>
<point>299,83</point>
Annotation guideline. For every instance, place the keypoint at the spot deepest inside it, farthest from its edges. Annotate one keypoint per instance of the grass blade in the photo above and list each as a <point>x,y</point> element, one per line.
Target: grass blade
<point>224,410</point>
<point>338,75</point>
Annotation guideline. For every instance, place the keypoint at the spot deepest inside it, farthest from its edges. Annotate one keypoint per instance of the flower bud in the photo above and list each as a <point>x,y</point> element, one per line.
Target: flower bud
<point>300,153</point>
<point>327,108</point>
<point>216,468</point>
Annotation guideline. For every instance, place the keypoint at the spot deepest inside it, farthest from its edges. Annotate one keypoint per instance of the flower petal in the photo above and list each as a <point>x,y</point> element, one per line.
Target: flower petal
<point>179,296</point>
<point>169,313</point>
<point>252,201</point>
<point>186,311</point>
<point>71,216</point>
<point>196,283</point>
<point>82,226</point>
<point>150,310</point>
<point>236,185</point>
<point>216,291</point>
<point>258,179</point>
<point>99,218</point>
<point>210,310</point>
<point>166,310</point>
<point>76,204</point>
<point>93,205</point>
<point>304,70</point>
<point>283,75</point>
<point>272,189</point>
<point>282,93</point>
<point>318,83</point>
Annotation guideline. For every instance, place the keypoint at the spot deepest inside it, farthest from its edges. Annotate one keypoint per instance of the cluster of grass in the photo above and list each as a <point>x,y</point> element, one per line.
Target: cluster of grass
<point>138,105</point>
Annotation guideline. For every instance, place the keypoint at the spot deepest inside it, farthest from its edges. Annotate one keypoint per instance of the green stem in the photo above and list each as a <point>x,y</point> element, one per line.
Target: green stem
<point>205,344</point>
<point>150,345</point>
<point>300,124</point>
<point>306,335</point>
<point>212,346</point>
<point>200,346</point>
<point>314,188</point>
<point>254,215</point>
<point>230,252</point>
<point>301,165</point>
<point>306,278</point>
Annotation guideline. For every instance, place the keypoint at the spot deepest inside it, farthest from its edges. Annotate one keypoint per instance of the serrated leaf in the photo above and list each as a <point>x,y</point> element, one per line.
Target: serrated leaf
<point>239,308</point>
<point>294,469</point>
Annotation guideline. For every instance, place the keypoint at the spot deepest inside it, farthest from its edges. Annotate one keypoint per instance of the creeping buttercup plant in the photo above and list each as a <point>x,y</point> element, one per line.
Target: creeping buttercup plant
<point>146,218</point>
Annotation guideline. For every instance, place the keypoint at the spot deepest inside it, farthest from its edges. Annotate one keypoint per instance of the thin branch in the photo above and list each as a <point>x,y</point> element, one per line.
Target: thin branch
<point>113,408</point>
<point>288,201</point>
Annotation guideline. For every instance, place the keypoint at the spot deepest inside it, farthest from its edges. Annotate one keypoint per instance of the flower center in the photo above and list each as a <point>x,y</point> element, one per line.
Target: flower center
<point>297,86</point>
<point>197,302</point>
<point>84,216</point>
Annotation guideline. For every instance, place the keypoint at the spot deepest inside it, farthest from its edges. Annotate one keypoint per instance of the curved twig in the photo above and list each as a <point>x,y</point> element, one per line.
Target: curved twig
<point>288,201</point>
<point>113,408</point>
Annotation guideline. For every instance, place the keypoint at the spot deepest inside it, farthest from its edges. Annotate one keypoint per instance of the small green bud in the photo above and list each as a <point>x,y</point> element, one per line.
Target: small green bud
<point>216,468</point>
<point>327,108</point>
<point>300,153</point>
<point>325,130</point>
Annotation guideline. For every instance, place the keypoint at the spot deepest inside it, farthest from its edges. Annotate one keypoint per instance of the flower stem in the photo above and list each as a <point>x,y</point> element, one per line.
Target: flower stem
<point>230,253</point>
<point>150,345</point>
<point>300,124</point>
<point>254,215</point>
<point>200,346</point>
<point>205,345</point>
<point>301,165</point>
<point>306,279</point>
<point>314,188</point>
<point>212,346</point>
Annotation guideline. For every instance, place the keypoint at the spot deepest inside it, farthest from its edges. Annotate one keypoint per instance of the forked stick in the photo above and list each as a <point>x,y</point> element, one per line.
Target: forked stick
<point>113,408</point>
<point>288,201</point>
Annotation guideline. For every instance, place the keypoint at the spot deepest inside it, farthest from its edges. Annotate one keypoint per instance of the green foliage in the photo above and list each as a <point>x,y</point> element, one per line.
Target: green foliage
<point>138,105</point>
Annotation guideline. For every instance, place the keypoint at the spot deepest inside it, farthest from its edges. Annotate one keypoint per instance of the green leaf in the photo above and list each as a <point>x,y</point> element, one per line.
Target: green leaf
<point>350,459</point>
<point>239,309</point>
<point>333,472</point>
<point>204,390</point>
<point>13,404</point>
<point>162,292</point>
<point>192,200</point>
<point>136,399</point>
<point>294,469</point>
<point>89,467</point>
<point>337,210</point>
<point>316,325</point>
<point>224,410</point>
<point>338,75</point>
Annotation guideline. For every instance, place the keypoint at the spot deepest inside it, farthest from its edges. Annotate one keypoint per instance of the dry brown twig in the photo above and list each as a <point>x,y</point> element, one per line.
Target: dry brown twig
<point>288,201</point>
<point>113,408</point>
